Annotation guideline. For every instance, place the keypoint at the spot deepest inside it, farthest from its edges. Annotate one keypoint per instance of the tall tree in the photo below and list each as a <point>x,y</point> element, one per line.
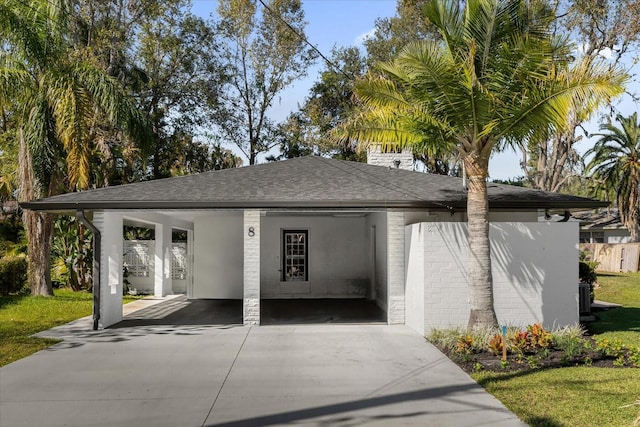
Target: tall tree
<point>263,52</point>
<point>392,34</point>
<point>615,165</point>
<point>496,78</point>
<point>177,53</point>
<point>103,33</point>
<point>166,57</point>
<point>182,155</point>
<point>59,96</point>
<point>8,161</point>
<point>294,138</point>
<point>600,28</point>
<point>223,158</point>
<point>329,102</point>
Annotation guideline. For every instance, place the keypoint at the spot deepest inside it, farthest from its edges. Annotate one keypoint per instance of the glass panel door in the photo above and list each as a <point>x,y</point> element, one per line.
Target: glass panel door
<point>295,256</point>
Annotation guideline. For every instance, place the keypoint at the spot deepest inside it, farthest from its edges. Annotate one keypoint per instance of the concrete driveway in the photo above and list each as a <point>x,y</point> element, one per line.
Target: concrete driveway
<point>229,375</point>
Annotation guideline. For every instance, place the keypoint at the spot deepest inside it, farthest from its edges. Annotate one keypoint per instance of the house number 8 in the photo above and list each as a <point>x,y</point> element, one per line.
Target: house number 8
<point>252,232</point>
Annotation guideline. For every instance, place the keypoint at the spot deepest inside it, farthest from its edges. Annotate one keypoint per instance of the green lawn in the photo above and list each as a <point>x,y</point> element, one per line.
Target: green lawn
<point>568,397</point>
<point>619,323</point>
<point>581,396</point>
<point>621,288</point>
<point>22,316</point>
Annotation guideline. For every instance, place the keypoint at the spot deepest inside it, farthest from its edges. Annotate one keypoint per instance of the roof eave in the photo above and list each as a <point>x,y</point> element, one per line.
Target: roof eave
<point>53,206</point>
<point>549,204</point>
<point>174,205</point>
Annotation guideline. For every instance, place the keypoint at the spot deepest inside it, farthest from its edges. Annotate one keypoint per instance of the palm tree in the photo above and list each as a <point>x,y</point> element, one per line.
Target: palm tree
<point>495,79</point>
<point>59,96</point>
<point>616,165</point>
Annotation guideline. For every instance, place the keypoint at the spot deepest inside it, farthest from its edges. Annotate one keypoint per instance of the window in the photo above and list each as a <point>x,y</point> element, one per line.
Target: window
<point>294,257</point>
<point>592,237</point>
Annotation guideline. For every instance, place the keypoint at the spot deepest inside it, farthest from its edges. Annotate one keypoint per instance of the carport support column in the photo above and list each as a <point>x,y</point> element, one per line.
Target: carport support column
<point>162,269</point>
<point>395,268</point>
<point>190,257</point>
<point>110,225</point>
<point>251,274</point>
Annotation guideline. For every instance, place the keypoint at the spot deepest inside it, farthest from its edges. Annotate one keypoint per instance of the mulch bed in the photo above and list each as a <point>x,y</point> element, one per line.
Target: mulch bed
<point>551,358</point>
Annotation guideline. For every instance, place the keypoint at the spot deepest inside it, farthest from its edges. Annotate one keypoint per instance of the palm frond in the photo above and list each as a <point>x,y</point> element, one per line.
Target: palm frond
<point>615,163</point>
<point>111,98</point>
<point>447,18</point>
<point>498,77</point>
<point>546,103</point>
<point>39,135</point>
<point>18,29</point>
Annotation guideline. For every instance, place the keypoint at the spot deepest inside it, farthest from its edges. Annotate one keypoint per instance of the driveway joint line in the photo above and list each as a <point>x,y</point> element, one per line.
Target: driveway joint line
<point>226,377</point>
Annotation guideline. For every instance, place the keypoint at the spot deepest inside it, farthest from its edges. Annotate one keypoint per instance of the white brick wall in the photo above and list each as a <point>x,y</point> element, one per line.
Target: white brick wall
<point>377,222</point>
<point>415,286</point>
<point>376,157</point>
<point>251,269</point>
<point>395,268</point>
<point>534,268</point>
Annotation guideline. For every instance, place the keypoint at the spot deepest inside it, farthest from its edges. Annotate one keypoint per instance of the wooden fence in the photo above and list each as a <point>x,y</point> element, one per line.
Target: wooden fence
<point>613,257</point>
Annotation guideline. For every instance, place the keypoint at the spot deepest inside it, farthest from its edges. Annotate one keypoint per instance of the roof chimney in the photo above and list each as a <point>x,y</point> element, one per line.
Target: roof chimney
<point>391,159</point>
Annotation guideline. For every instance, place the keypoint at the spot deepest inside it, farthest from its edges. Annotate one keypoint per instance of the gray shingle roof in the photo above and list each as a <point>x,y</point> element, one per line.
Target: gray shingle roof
<point>606,219</point>
<point>305,182</point>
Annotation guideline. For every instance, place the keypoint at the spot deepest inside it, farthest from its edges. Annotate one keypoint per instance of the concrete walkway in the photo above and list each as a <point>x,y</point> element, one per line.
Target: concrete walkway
<point>603,305</point>
<point>229,375</point>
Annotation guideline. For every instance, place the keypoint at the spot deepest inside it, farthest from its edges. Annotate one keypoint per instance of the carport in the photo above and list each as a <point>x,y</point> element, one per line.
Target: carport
<point>293,255</point>
<point>178,310</point>
<point>307,228</point>
<point>239,255</point>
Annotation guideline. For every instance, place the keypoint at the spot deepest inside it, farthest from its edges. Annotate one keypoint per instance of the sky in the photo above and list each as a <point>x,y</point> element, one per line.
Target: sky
<point>329,23</point>
<point>345,23</point>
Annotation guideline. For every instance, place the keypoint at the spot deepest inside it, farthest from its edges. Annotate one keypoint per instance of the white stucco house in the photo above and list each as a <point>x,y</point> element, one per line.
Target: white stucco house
<point>314,227</point>
<point>602,226</point>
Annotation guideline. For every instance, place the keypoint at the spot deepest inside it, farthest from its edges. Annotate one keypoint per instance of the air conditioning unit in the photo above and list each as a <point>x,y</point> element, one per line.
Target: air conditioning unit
<point>584,298</point>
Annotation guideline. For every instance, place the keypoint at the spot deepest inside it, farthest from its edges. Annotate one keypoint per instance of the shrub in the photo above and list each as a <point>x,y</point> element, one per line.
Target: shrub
<point>472,340</point>
<point>538,337</point>
<point>519,342</point>
<point>570,340</point>
<point>633,354</point>
<point>587,271</point>
<point>610,348</point>
<point>573,347</point>
<point>464,345</point>
<point>446,338</point>
<point>496,344</point>
<point>13,274</point>
<point>533,362</point>
<point>587,274</point>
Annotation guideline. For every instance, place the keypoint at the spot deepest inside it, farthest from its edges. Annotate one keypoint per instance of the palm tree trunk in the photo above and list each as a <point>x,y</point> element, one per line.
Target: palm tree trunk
<point>39,227</point>
<point>480,278</point>
<point>632,218</point>
<point>81,265</point>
